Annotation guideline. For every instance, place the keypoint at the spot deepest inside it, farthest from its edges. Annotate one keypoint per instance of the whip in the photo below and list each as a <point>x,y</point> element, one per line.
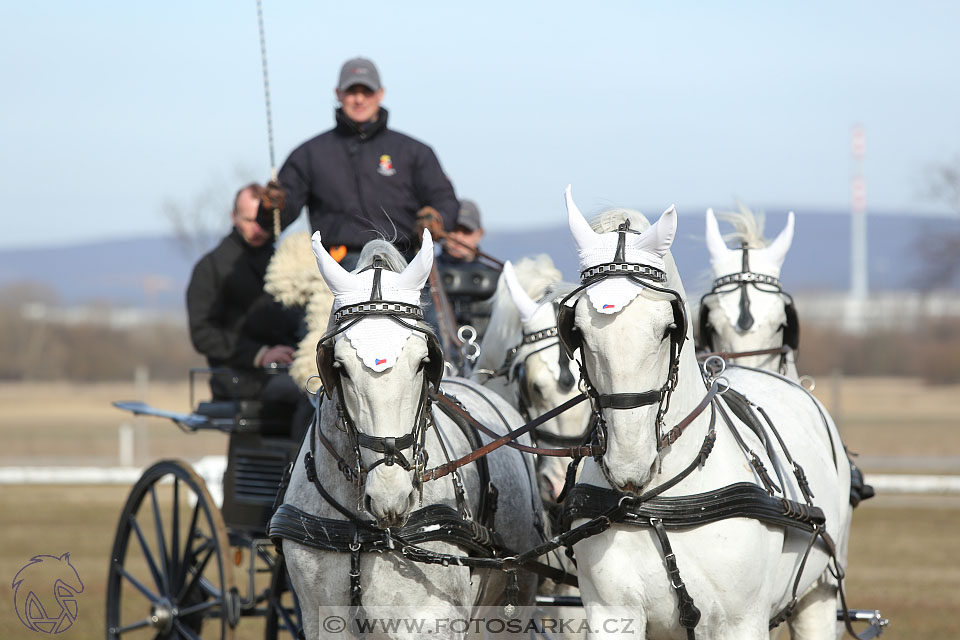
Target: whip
<point>266,99</point>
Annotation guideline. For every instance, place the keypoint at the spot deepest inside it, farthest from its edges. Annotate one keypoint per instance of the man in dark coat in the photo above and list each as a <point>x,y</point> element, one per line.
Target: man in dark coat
<point>361,180</point>
<point>233,322</point>
<point>468,282</point>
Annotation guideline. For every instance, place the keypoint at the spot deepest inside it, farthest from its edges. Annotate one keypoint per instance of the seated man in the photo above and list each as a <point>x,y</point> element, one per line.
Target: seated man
<point>233,322</point>
<point>462,242</point>
<point>468,282</point>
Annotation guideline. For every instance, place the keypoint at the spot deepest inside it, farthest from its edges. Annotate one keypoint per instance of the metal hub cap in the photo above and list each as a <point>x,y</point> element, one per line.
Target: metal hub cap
<point>162,615</point>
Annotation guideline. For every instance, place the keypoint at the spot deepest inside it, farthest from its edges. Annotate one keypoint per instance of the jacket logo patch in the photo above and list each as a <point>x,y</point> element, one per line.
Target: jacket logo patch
<point>386,166</point>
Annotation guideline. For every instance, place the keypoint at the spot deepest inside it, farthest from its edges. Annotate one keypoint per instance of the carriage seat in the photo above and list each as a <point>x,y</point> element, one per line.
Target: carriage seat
<point>218,409</point>
<point>271,419</point>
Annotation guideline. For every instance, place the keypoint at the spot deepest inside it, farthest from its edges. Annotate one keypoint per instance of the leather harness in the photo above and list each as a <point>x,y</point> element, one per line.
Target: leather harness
<point>602,507</point>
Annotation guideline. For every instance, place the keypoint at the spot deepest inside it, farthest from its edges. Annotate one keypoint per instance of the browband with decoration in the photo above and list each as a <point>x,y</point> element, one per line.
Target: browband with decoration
<point>536,336</point>
<point>747,276</point>
<point>612,268</point>
<point>370,308</point>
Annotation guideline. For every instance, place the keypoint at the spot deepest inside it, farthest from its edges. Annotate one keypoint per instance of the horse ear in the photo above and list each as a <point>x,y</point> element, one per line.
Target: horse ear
<point>65,556</point>
<point>663,231</point>
<point>415,275</point>
<point>337,278</point>
<point>583,236</point>
<point>777,250</point>
<point>524,303</point>
<point>715,244</point>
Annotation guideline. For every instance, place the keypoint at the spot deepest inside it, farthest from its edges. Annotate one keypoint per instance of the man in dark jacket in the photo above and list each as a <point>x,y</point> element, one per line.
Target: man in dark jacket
<point>233,322</point>
<point>468,282</point>
<point>360,180</point>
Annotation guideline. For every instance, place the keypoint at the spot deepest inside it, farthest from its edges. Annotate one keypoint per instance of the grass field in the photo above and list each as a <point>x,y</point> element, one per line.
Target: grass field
<point>904,552</point>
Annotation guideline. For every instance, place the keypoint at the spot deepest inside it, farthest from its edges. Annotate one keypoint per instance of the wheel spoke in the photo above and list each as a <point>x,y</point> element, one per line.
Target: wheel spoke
<point>188,588</point>
<point>285,615</point>
<point>187,547</point>
<point>154,598</point>
<point>175,535</point>
<point>131,627</point>
<point>161,539</point>
<point>203,606</point>
<point>186,631</point>
<point>158,580</point>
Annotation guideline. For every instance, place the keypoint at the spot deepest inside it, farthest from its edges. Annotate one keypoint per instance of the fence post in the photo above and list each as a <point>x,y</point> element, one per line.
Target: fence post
<point>141,387</point>
<point>125,443</point>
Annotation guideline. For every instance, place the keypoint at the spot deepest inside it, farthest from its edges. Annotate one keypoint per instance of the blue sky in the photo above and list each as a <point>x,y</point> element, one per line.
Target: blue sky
<point>112,109</point>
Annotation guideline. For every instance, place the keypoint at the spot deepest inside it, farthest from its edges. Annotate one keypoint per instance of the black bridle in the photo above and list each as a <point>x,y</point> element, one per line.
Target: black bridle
<point>742,281</point>
<point>645,276</point>
<point>390,447</point>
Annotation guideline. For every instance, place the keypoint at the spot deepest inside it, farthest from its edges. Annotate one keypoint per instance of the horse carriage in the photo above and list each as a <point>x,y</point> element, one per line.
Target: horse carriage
<point>364,524</point>
<point>176,568</point>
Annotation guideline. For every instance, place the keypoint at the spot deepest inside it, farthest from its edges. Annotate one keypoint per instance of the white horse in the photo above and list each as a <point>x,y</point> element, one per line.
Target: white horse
<point>739,571</point>
<point>746,310</point>
<point>522,360</point>
<point>377,426</point>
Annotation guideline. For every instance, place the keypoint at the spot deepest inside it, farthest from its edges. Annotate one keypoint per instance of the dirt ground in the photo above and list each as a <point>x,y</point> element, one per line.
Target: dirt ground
<point>904,557</point>
<point>903,561</point>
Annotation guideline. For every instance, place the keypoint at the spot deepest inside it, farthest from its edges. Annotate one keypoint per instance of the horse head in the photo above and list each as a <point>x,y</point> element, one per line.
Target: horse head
<point>546,377</point>
<point>746,310</point>
<point>629,329</point>
<point>377,362</point>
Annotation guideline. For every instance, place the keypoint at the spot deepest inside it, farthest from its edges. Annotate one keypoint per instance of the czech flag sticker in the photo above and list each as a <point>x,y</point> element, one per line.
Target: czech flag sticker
<point>379,361</point>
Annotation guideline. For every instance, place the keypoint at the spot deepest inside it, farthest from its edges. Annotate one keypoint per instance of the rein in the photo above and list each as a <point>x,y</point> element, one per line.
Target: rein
<point>506,440</point>
<point>727,355</point>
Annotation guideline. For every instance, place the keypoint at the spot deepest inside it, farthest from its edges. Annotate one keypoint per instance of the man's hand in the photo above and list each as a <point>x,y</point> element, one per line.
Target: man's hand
<point>280,354</point>
<point>429,218</point>
<point>273,197</point>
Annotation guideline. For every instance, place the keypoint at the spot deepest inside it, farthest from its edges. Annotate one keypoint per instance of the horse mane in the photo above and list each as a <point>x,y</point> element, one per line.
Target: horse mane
<point>609,219</point>
<point>537,275</point>
<point>389,253</point>
<point>747,226</point>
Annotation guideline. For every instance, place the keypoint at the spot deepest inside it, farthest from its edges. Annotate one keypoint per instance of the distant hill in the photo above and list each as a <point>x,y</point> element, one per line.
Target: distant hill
<point>153,272</point>
<point>138,272</point>
<point>819,259</point>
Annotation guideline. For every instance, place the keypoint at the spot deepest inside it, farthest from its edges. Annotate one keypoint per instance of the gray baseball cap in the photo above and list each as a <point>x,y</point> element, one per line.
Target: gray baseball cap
<point>359,71</point>
<point>469,215</point>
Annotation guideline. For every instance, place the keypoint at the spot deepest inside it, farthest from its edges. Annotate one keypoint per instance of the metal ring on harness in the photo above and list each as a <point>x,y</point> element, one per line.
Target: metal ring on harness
<point>714,366</point>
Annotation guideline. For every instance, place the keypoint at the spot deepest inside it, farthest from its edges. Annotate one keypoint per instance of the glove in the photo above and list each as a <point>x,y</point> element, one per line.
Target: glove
<point>273,196</point>
<point>429,218</point>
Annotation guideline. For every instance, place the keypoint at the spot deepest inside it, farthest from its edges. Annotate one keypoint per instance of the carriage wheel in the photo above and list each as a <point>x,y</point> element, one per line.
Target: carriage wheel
<point>283,613</point>
<point>169,576</point>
